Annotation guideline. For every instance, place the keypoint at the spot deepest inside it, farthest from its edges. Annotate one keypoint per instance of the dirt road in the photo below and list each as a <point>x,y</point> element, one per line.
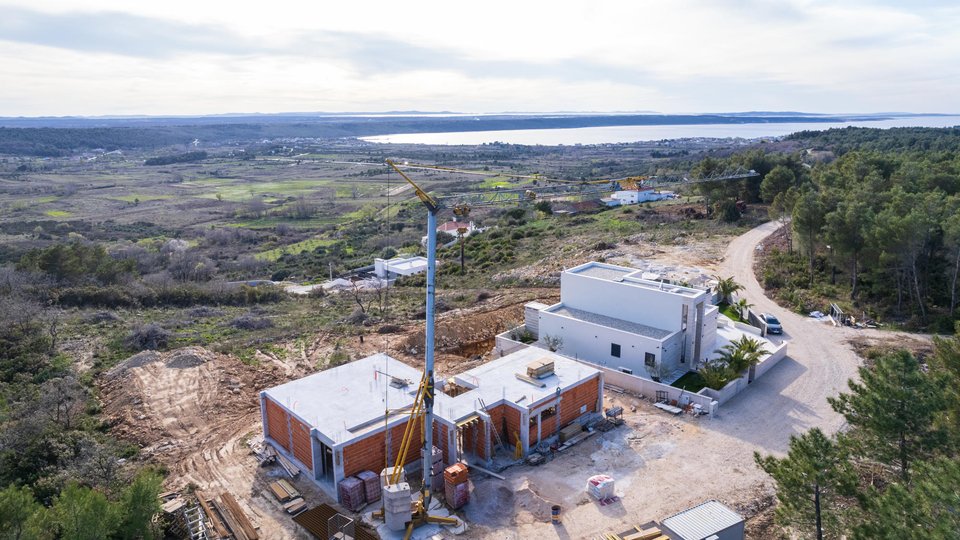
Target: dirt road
<point>665,464</point>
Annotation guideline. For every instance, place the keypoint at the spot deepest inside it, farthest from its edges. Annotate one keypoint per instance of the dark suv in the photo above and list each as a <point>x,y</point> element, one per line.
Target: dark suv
<point>772,323</point>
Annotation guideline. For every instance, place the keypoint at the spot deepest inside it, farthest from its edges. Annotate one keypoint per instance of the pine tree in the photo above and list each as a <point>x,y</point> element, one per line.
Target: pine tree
<point>927,510</point>
<point>895,410</point>
<point>813,477</point>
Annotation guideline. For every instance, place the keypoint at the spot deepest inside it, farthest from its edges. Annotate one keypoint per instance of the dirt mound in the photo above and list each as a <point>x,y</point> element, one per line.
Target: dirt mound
<point>188,357</point>
<point>138,360</point>
<point>177,402</point>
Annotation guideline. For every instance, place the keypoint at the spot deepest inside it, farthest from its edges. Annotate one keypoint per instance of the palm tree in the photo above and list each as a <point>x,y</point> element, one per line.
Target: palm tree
<point>716,374</point>
<point>726,287</point>
<point>752,351</point>
<point>743,306</point>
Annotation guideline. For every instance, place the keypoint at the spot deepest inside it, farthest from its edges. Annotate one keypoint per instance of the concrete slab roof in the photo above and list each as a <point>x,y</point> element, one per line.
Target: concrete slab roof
<point>632,277</point>
<point>496,381</point>
<point>346,401</point>
<point>400,265</point>
<point>610,322</point>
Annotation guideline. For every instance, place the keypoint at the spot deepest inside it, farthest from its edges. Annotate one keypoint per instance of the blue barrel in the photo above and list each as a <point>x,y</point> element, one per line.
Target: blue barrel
<point>555,513</point>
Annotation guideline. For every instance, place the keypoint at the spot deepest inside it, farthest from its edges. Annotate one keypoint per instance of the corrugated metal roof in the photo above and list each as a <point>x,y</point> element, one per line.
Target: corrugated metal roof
<point>702,521</point>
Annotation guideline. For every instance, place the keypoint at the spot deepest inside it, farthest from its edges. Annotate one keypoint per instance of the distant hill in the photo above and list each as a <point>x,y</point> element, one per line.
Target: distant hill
<point>65,135</point>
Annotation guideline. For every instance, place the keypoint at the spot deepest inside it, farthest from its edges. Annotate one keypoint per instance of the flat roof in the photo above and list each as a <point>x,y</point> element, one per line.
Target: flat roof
<point>632,277</point>
<point>409,263</point>
<point>348,401</point>
<point>611,322</point>
<point>342,402</point>
<point>701,521</point>
<point>496,381</point>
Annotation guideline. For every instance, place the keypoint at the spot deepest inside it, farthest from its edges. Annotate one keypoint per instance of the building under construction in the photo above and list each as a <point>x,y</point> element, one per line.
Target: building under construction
<point>351,418</point>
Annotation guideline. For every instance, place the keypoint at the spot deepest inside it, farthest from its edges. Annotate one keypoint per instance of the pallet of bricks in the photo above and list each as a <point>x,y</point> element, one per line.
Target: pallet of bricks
<point>352,493</point>
<point>371,485</point>
<point>456,485</point>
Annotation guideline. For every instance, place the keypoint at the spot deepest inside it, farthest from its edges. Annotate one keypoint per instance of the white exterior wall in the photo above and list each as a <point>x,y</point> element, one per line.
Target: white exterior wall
<point>709,332</point>
<point>591,343</point>
<point>652,307</point>
<point>626,197</point>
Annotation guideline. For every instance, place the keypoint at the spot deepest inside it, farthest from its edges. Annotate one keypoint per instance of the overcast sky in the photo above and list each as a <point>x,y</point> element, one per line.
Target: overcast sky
<point>114,57</point>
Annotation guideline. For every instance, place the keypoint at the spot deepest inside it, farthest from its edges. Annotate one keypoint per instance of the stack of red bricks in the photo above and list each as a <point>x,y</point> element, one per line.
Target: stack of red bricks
<point>456,485</point>
<point>371,485</point>
<point>352,493</point>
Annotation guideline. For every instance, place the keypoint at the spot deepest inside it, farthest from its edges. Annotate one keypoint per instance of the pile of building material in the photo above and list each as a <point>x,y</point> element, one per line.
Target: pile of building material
<point>264,453</point>
<point>456,485</point>
<point>226,517</point>
<point>288,466</point>
<point>371,485</point>
<point>436,474</point>
<point>352,493</point>
<point>650,532</point>
<point>540,369</point>
<point>288,496</point>
<point>601,488</point>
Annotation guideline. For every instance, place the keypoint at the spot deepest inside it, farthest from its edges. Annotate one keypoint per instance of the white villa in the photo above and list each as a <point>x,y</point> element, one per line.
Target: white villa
<point>609,315</point>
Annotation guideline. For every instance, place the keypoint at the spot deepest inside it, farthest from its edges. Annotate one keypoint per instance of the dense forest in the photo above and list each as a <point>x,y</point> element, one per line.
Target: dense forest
<point>877,228</point>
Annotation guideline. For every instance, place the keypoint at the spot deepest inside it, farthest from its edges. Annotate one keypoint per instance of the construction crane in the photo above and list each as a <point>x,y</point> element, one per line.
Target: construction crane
<point>422,408</point>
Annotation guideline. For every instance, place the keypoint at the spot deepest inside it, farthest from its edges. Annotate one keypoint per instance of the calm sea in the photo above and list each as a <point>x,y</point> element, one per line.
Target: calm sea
<point>625,134</point>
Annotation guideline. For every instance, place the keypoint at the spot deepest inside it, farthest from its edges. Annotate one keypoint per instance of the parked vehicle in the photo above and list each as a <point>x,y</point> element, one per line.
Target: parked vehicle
<point>771,323</point>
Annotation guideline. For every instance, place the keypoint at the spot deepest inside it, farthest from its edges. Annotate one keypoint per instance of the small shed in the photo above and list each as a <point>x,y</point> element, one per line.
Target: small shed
<point>708,520</point>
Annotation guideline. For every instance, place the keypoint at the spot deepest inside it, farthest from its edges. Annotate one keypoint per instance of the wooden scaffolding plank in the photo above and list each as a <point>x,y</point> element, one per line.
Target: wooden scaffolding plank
<point>218,525</point>
<point>240,516</point>
<point>235,528</point>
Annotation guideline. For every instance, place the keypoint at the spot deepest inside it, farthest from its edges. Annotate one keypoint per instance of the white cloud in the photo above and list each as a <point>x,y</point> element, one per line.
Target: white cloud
<point>180,57</point>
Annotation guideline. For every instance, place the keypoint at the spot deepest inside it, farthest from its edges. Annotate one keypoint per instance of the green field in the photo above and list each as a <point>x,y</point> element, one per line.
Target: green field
<point>496,182</point>
<point>231,189</point>
<point>58,213</point>
<point>309,244</point>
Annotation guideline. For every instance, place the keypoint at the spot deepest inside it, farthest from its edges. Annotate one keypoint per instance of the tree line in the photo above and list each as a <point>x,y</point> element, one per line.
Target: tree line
<point>894,471</point>
<point>883,218</point>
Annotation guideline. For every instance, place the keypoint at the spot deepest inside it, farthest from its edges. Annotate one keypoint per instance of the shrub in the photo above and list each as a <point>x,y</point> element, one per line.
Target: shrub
<point>148,336</point>
<point>248,321</point>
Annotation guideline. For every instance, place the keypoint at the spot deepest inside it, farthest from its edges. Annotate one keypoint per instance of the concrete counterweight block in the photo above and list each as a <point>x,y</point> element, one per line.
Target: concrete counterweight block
<point>396,506</point>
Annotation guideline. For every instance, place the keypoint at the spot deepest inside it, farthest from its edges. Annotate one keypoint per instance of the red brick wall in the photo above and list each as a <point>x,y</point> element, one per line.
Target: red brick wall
<point>440,432</point>
<point>586,393</point>
<point>302,450</point>
<point>497,415</point>
<point>367,454</point>
<point>277,428</point>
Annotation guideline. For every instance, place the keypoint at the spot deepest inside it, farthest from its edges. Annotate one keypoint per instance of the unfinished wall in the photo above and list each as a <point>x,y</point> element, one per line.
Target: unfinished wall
<point>580,399</point>
<point>367,454</point>
<point>302,447</point>
<point>278,427</point>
